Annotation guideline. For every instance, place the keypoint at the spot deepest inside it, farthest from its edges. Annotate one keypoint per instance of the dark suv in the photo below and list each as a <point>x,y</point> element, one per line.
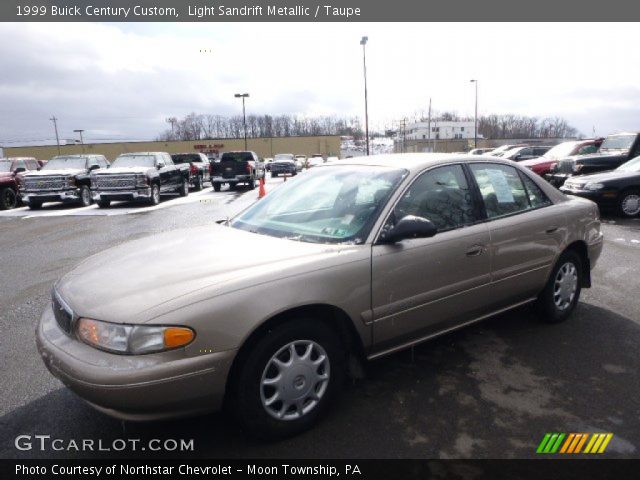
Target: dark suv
<point>236,167</point>
<point>198,167</point>
<point>11,172</point>
<point>64,178</point>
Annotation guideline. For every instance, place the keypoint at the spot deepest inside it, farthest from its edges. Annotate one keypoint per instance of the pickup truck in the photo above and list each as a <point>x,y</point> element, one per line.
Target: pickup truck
<point>64,178</point>
<point>284,164</point>
<point>614,151</point>
<point>236,167</point>
<point>140,176</point>
<point>11,172</point>
<point>198,167</point>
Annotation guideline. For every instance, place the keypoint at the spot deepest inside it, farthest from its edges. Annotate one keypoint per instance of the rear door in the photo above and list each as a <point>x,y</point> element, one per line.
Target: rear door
<point>526,230</point>
<point>424,285</point>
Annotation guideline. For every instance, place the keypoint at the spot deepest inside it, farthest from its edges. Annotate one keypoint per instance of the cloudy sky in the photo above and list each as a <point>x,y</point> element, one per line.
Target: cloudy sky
<point>121,81</point>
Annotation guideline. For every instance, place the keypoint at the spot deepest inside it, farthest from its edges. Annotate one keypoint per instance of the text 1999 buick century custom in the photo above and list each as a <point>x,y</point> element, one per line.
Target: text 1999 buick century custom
<point>356,259</point>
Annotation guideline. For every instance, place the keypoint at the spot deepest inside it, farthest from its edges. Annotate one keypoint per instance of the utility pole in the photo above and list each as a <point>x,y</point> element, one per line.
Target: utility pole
<point>55,126</point>
<point>475,118</point>
<point>429,124</point>
<point>81,140</point>
<point>363,42</point>
<point>244,116</point>
<point>403,129</point>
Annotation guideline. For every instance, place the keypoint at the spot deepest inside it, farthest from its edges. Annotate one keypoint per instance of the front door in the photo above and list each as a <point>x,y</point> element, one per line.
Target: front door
<point>420,286</point>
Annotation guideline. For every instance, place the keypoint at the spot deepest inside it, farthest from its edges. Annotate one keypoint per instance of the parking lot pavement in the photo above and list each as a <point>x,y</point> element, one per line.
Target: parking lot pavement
<point>489,391</point>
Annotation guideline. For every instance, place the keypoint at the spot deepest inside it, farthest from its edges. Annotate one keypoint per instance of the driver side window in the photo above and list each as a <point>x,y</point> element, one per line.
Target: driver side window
<point>441,195</point>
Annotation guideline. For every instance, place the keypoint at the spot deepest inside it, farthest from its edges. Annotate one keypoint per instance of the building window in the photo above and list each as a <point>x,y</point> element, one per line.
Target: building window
<point>462,129</point>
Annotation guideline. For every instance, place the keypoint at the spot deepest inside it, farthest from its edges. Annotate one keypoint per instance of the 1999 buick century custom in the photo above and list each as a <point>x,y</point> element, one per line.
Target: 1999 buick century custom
<point>354,260</point>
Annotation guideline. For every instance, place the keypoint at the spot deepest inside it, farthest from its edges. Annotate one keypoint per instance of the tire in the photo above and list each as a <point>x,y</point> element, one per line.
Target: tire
<point>155,195</point>
<point>233,186</point>
<point>216,187</point>
<point>559,297</point>
<point>199,183</point>
<point>8,198</point>
<point>183,190</point>
<point>252,184</point>
<point>104,203</point>
<point>35,205</point>
<point>324,379</point>
<point>85,196</point>
<point>629,203</point>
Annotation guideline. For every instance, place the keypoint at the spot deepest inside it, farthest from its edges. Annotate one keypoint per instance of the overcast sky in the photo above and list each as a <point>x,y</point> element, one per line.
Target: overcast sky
<point>121,81</point>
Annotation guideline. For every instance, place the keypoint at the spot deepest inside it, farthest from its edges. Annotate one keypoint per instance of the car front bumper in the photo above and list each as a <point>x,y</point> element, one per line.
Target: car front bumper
<point>557,179</point>
<point>135,387</point>
<point>72,195</point>
<point>235,179</point>
<point>126,195</point>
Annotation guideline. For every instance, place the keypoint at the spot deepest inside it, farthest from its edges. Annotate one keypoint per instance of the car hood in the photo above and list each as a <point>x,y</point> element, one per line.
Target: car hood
<point>139,280</point>
<point>592,156</point>
<point>536,161</point>
<point>122,170</point>
<point>6,175</point>
<point>60,171</point>
<point>604,176</point>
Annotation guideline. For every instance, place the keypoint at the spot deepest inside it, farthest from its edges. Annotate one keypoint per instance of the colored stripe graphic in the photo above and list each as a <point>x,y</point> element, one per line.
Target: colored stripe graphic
<point>572,443</point>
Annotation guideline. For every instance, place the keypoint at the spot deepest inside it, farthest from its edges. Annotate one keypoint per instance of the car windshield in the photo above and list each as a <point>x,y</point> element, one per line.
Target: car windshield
<point>562,150</point>
<point>134,161</point>
<point>236,157</point>
<point>65,162</point>
<point>283,156</point>
<point>630,166</point>
<point>5,166</point>
<point>336,204</point>
<point>186,158</point>
<point>618,142</point>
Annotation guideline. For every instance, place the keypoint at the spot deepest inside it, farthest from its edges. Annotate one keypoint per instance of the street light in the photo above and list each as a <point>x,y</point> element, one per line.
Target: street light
<point>81,140</point>
<point>244,117</point>
<point>363,42</point>
<point>475,121</point>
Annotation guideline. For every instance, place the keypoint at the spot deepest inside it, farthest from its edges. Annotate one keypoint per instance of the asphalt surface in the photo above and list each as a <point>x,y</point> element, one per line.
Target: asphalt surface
<point>489,391</point>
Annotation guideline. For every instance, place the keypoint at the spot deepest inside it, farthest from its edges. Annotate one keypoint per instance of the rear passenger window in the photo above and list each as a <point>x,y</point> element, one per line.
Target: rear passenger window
<point>502,190</point>
<point>441,195</point>
<point>537,198</point>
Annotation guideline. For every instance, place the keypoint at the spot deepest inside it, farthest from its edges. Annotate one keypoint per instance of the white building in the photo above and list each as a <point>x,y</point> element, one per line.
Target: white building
<point>440,130</point>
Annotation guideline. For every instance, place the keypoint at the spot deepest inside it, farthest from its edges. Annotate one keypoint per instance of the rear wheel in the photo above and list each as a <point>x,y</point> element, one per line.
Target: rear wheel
<point>155,194</point>
<point>629,203</point>
<point>199,183</point>
<point>104,203</point>
<point>560,296</point>
<point>85,196</point>
<point>216,187</point>
<point>8,198</point>
<point>252,184</point>
<point>289,378</point>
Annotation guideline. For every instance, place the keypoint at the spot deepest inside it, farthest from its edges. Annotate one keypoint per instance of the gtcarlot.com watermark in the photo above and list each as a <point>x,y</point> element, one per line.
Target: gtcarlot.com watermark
<point>45,443</point>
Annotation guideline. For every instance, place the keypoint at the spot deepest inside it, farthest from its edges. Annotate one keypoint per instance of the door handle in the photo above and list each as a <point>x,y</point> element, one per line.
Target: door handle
<point>475,251</point>
<point>551,229</point>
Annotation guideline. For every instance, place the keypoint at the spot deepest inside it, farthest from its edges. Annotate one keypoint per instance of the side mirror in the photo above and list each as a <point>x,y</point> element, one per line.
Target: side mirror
<point>411,226</point>
<point>95,166</point>
<point>19,170</point>
<point>160,165</point>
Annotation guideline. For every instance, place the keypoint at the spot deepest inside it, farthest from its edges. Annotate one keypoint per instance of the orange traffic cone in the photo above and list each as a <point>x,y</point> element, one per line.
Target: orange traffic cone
<point>262,192</point>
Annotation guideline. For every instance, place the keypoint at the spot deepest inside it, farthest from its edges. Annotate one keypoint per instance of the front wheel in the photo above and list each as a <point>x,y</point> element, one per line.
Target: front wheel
<point>155,194</point>
<point>232,186</point>
<point>252,184</point>
<point>198,183</point>
<point>217,187</point>
<point>85,196</point>
<point>560,296</point>
<point>8,198</point>
<point>629,203</point>
<point>289,378</point>
<point>183,190</point>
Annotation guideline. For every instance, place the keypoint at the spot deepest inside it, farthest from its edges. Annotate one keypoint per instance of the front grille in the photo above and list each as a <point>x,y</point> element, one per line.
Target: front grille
<point>45,183</point>
<point>115,181</point>
<point>566,166</point>
<point>63,314</point>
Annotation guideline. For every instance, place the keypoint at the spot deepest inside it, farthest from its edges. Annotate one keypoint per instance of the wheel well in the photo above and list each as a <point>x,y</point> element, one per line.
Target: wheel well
<point>580,247</point>
<point>332,316</point>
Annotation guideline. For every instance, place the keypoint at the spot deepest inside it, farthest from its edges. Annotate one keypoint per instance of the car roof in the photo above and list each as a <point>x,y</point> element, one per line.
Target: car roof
<point>418,161</point>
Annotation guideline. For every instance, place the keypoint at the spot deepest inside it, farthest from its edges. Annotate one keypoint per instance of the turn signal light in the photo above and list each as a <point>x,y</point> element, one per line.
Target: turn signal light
<point>177,337</point>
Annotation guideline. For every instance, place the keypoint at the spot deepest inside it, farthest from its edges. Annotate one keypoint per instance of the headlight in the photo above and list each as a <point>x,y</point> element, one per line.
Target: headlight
<point>71,181</point>
<point>142,181</point>
<point>132,339</point>
<point>577,167</point>
<point>594,186</point>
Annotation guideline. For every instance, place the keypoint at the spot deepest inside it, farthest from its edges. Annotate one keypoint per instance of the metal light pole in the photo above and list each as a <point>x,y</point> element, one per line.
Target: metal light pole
<point>244,117</point>
<point>81,140</point>
<point>363,42</point>
<point>55,126</point>
<point>475,121</point>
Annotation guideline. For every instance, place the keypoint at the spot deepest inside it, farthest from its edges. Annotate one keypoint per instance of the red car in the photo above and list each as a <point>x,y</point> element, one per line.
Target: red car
<point>543,164</point>
<point>11,171</point>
